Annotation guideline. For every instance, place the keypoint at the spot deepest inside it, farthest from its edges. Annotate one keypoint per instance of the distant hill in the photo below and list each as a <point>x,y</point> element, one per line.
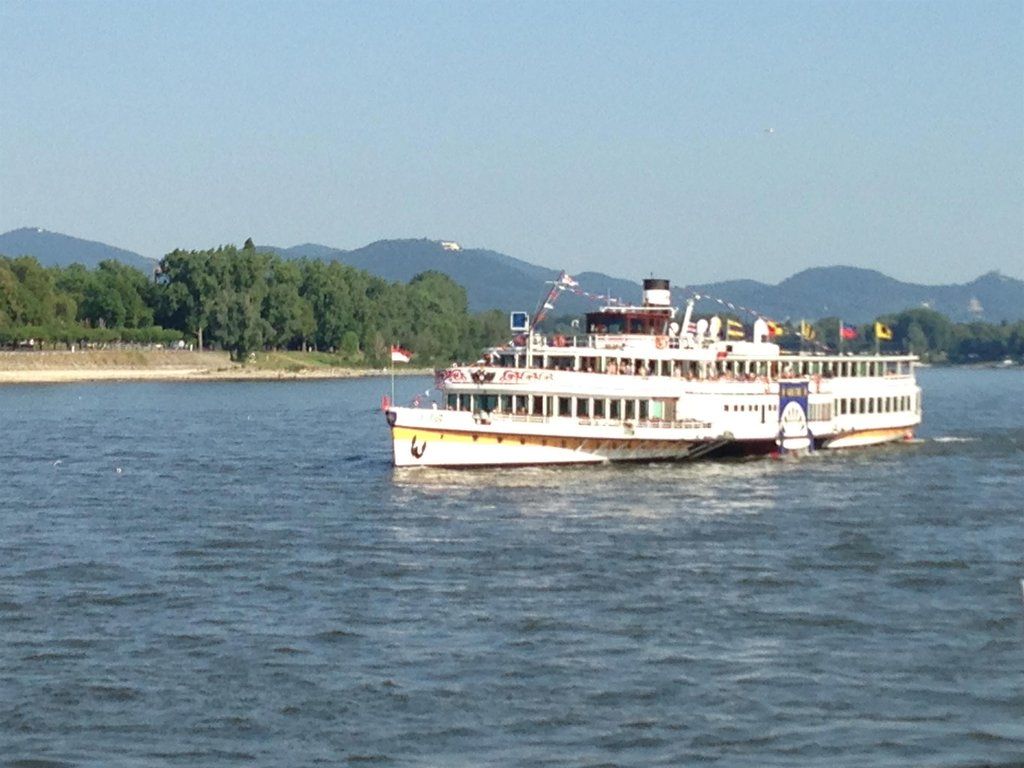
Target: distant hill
<point>497,281</point>
<point>858,295</point>
<point>492,280</point>
<point>54,249</point>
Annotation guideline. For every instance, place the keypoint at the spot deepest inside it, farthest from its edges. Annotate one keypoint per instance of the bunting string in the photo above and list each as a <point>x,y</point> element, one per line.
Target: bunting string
<point>566,282</point>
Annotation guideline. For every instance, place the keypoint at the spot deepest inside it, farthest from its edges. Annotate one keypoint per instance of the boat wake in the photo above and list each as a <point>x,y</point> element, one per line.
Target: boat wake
<point>955,439</point>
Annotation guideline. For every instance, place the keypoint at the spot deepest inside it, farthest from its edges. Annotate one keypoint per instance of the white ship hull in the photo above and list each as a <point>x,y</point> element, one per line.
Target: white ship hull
<point>433,438</point>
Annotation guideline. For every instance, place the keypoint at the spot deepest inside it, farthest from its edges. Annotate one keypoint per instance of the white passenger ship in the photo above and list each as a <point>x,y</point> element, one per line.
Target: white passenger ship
<point>642,386</point>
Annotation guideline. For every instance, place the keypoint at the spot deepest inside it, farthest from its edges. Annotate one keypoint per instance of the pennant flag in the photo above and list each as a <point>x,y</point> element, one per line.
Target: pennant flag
<point>734,329</point>
<point>847,332</point>
<point>807,331</point>
<point>399,355</point>
<point>883,332</point>
<point>775,329</point>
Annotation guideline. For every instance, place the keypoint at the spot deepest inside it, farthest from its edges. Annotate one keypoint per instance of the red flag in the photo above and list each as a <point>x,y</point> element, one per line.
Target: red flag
<point>847,332</point>
<point>399,355</point>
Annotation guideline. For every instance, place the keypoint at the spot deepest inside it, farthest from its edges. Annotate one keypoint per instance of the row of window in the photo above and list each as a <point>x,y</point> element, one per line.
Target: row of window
<point>549,405</point>
<point>895,404</point>
<point>626,408</point>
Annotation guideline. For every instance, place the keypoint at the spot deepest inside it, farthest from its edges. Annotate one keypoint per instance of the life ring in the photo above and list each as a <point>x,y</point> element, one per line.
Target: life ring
<point>660,342</point>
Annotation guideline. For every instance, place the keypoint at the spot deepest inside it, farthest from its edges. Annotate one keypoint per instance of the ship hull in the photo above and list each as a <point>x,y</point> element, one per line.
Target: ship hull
<point>422,439</point>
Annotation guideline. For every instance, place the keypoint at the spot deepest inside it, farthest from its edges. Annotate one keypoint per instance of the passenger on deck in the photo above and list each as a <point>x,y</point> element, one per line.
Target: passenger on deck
<point>613,367</point>
<point>627,367</point>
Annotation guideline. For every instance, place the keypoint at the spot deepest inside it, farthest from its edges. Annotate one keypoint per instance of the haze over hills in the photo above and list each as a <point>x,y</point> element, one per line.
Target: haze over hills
<point>496,280</point>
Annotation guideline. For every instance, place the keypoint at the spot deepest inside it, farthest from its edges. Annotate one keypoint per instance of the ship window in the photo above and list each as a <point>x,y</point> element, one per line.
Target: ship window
<point>657,409</point>
<point>599,408</point>
<point>506,404</point>
<point>453,402</point>
<point>464,402</point>
<point>726,407</point>
<point>643,409</point>
<point>630,409</point>
<point>614,409</point>
<point>538,406</point>
<point>565,406</point>
<point>582,406</point>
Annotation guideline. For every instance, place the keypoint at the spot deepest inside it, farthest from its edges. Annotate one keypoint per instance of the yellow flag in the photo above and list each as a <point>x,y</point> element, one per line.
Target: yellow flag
<point>807,331</point>
<point>775,329</point>
<point>734,329</point>
<point>883,332</point>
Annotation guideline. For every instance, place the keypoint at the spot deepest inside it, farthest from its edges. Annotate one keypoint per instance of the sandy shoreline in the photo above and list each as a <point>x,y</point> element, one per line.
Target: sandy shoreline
<point>120,365</point>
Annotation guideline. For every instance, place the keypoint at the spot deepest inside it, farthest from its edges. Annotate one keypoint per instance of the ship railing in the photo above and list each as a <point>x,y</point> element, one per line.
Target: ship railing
<point>672,424</point>
<point>585,421</point>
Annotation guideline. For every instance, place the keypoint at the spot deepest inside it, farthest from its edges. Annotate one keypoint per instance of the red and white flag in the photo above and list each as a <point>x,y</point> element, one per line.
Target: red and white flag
<point>399,355</point>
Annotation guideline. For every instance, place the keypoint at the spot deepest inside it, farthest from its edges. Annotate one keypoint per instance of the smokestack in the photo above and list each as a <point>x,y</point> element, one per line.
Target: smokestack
<point>657,293</point>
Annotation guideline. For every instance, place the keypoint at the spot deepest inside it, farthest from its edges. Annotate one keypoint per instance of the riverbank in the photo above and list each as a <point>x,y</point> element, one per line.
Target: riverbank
<point>176,365</point>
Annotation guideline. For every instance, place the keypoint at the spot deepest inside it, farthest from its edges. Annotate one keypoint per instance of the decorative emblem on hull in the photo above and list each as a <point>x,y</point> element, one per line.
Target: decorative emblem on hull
<point>417,453</point>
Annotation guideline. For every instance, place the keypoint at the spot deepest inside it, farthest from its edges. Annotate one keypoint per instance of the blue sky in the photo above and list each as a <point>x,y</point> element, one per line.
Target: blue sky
<point>699,141</point>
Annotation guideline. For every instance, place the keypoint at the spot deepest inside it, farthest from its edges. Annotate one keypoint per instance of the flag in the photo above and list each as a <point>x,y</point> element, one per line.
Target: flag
<point>883,332</point>
<point>847,332</point>
<point>774,329</point>
<point>734,329</point>
<point>807,331</point>
<point>399,355</point>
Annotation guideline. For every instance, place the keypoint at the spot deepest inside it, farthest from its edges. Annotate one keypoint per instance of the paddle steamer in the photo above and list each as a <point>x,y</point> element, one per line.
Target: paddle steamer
<point>645,385</point>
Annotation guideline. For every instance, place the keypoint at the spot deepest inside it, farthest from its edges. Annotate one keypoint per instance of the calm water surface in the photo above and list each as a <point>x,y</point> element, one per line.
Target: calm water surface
<point>231,574</point>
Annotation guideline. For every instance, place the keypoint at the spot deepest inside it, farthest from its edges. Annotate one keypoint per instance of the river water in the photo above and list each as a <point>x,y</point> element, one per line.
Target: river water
<point>231,574</point>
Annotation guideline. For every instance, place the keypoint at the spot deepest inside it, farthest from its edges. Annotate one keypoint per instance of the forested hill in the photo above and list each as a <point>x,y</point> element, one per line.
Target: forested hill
<point>497,281</point>
<point>859,294</point>
<point>494,280</point>
<point>52,249</point>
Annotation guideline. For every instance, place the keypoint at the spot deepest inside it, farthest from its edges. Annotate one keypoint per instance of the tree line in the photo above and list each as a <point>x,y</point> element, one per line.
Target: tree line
<point>921,331</point>
<point>243,300</point>
<point>932,336</point>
